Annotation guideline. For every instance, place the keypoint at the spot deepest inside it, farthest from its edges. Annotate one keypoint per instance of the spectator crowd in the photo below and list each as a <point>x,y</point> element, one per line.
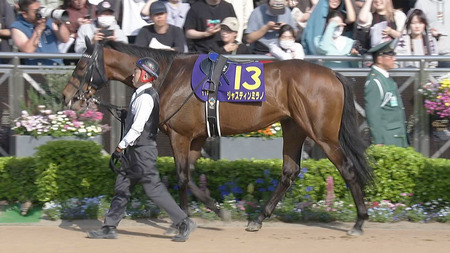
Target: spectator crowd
<point>284,29</point>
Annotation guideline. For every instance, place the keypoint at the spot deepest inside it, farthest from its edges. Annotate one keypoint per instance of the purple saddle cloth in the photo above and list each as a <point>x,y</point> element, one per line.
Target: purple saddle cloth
<point>239,82</point>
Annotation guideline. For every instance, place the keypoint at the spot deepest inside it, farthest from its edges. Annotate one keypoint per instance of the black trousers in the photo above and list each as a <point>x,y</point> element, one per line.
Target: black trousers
<point>140,164</point>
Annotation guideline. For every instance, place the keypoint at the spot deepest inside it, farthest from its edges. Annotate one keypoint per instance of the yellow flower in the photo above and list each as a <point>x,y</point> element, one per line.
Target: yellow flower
<point>445,83</point>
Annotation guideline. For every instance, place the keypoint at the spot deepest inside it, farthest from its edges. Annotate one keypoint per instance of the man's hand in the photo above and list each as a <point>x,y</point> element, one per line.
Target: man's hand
<point>117,154</point>
<point>274,26</point>
<point>211,30</point>
<point>231,47</point>
<point>40,26</point>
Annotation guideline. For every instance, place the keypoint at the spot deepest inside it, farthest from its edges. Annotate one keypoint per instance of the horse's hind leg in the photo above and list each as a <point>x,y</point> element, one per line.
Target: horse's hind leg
<point>347,169</point>
<point>293,139</point>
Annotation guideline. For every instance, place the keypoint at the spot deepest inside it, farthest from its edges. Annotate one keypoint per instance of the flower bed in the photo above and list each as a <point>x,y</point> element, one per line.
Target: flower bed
<point>273,130</point>
<point>437,97</point>
<point>62,123</point>
<point>339,210</point>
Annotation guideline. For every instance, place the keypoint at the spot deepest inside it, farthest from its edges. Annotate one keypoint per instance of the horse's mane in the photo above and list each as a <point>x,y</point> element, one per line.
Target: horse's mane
<point>158,55</point>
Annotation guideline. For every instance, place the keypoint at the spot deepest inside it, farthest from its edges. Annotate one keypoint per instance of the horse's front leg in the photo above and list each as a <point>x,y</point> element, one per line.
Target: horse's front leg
<point>180,146</point>
<point>292,147</point>
<point>203,194</point>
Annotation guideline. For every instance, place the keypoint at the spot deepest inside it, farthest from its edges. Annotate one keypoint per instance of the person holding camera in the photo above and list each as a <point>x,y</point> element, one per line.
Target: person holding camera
<point>34,31</point>
<point>202,24</point>
<point>105,27</point>
<point>264,24</point>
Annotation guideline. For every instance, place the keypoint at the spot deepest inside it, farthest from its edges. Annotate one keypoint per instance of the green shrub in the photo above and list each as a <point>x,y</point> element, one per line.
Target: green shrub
<point>72,169</point>
<point>396,170</point>
<point>18,179</point>
<point>433,181</point>
<point>65,169</point>
<point>311,184</point>
<point>4,178</point>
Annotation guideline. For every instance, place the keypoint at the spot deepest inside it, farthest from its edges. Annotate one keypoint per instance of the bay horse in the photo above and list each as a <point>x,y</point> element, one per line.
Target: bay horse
<point>308,100</point>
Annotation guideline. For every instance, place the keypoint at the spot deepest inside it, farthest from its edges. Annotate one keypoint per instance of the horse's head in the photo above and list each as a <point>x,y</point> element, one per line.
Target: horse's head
<point>88,77</point>
<point>109,61</point>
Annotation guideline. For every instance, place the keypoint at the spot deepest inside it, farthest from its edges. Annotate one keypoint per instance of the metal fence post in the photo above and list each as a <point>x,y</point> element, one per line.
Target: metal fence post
<point>421,135</point>
<point>16,89</point>
<point>118,97</point>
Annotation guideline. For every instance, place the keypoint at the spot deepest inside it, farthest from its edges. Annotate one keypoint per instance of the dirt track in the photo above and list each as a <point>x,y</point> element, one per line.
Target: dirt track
<point>147,236</point>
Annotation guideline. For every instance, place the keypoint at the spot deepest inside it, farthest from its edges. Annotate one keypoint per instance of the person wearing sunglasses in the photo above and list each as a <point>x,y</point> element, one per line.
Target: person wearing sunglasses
<point>384,108</point>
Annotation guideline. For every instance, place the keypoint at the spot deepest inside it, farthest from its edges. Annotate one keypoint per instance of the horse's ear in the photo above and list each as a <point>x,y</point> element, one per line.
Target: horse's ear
<point>89,47</point>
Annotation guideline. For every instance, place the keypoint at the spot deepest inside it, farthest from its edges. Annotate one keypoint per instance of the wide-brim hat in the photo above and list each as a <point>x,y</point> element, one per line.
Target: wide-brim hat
<point>277,7</point>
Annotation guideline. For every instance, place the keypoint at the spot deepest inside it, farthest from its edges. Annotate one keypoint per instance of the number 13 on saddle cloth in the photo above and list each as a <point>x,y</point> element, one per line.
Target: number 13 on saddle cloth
<point>238,82</point>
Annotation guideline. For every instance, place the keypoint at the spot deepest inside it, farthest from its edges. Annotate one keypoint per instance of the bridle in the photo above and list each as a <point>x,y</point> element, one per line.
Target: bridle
<point>94,76</point>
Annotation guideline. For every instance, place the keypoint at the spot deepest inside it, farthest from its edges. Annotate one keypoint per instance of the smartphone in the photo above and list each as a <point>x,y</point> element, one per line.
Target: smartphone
<point>278,24</point>
<point>212,22</point>
<point>107,32</point>
<point>87,16</point>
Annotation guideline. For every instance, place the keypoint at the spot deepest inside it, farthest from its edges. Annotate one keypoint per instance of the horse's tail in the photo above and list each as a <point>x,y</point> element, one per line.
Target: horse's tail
<point>349,138</point>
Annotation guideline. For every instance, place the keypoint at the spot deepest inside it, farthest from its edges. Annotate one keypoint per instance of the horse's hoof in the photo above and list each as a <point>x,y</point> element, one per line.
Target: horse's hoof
<point>253,226</point>
<point>225,215</point>
<point>355,232</point>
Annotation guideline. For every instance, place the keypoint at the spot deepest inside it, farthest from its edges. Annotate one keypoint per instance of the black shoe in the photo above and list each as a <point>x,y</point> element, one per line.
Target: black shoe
<point>104,233</point>
<point>185,227</point>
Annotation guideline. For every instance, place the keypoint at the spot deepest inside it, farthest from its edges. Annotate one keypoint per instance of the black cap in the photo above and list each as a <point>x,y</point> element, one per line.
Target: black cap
<point>104,6</point>
<point>157,7</point>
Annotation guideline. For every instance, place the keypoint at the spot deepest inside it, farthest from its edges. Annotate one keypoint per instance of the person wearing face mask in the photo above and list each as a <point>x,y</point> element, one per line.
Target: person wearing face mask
<point>286,48</point>
<point>332,42</point>
<point>104,28</point>
<point>318,19</point>
<point>264,25</point>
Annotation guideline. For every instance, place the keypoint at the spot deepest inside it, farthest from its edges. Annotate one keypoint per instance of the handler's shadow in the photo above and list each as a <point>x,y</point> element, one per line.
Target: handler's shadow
<point>81,225</point>
<point>85,225</point>
<point>163,225</point>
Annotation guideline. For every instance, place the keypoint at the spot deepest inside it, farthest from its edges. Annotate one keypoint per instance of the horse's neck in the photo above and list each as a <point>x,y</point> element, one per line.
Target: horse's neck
<point>119,66</point>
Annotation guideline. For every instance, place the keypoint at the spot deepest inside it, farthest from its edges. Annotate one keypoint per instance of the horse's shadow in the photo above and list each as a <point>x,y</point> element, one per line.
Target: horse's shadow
<point>330,225</point>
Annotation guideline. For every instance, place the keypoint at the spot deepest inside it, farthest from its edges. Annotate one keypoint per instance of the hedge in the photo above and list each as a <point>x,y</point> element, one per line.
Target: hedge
<point>66,169</point>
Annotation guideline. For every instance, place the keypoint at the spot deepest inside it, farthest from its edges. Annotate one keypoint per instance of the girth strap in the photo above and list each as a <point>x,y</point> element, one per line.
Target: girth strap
<point>212,105</point>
